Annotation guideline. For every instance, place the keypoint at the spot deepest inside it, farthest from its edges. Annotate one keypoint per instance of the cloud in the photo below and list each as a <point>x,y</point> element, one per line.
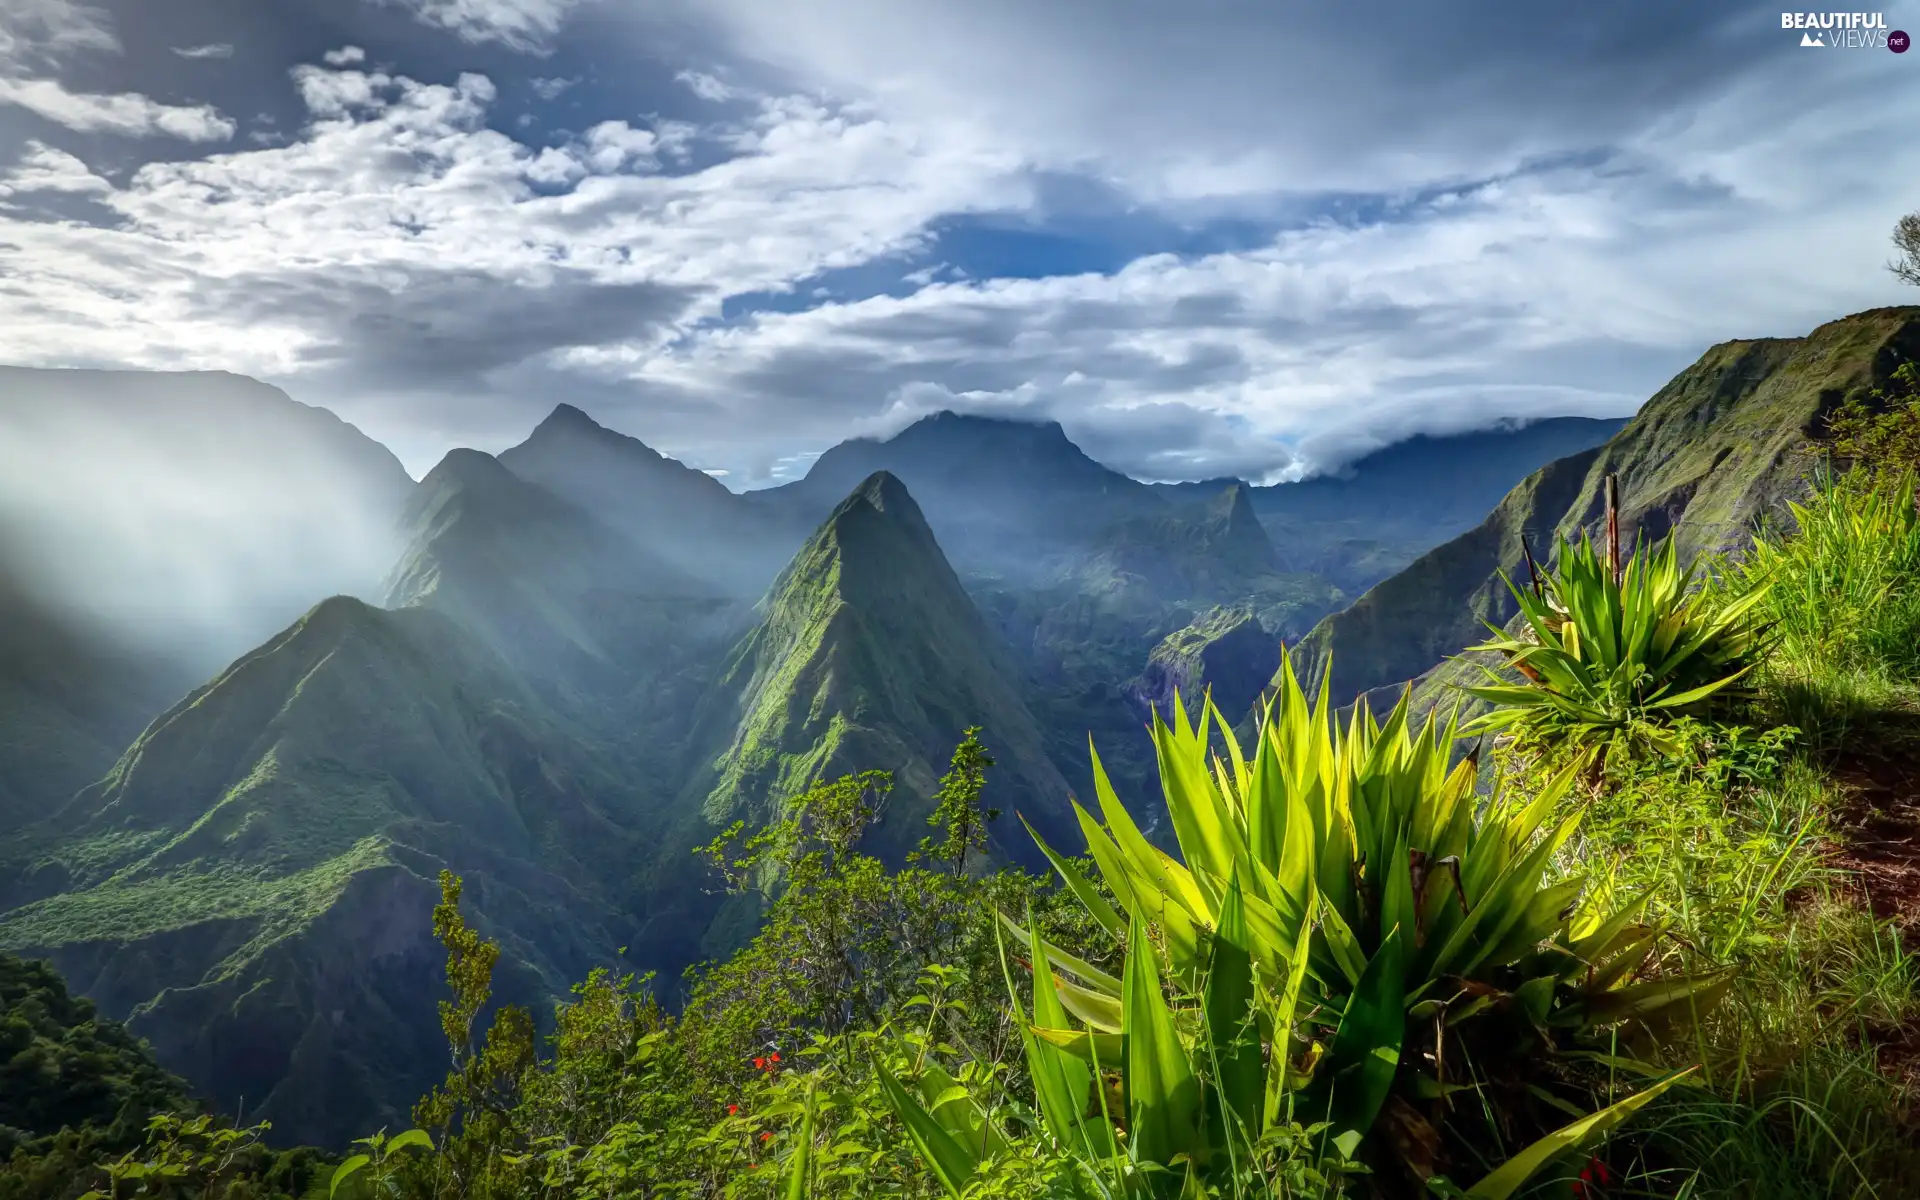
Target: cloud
<point>345,56</point>
<point>42,32</point>
<point>519,24</point>
<point>440,281</point>
<point>550,89</point>
<point>125,113</point>
<point>1445,236</point>
<point>38,36</point>
<point>706,86</point>
<point>44,169</point>
<point>210,50</point>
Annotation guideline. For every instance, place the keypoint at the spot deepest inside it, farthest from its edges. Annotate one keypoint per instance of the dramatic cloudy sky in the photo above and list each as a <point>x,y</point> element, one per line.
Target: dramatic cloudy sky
<point>1209,236</point>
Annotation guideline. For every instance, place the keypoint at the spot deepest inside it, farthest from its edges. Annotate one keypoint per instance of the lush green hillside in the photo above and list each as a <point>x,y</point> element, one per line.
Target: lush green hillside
<point>868,654</point>
<point>62,1065</point>
<point>686,517</point>
<point>252,881</point>
<point>1225,652</point>
<point>1710,453</point>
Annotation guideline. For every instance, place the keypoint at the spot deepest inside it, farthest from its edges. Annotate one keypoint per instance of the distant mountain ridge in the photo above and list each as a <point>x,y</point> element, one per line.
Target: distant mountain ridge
<point>684,516</point>
<point>996,492</point>
<point>546,583</point>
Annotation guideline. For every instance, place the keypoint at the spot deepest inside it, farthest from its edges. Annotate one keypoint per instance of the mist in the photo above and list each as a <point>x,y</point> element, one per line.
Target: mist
<point>190,516</point>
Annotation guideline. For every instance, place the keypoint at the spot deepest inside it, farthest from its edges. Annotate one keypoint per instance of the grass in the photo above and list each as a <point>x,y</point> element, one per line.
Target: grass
<point>1731,839</point>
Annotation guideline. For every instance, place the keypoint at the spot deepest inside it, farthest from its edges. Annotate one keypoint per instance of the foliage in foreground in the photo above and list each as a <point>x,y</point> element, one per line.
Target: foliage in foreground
<point>1611,652</point>
<point>1355,949</point>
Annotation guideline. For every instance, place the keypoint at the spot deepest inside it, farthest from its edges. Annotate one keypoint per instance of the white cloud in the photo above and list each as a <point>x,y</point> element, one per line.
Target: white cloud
<point>44,169</point>
<point>550,89</point>
<point>520,24</point>
<point>706,86</point>
<point>345,56</point>
<point>210,50</point>
<point>126,113</point>
<point>40,32</point>
<point>397,208</point>
<point>439,280</point>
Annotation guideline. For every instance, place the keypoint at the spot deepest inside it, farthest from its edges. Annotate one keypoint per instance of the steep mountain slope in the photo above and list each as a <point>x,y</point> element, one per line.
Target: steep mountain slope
<point>251,885</point>
<point>546,585</point>
<point>198,511</point>
<point>868,654</point>
<point>684,516</point>
<point>1204,547</point>
<point>71,698</point>
<point>1225,652</point>
<point>999,494</point>
<point>1713,450</point>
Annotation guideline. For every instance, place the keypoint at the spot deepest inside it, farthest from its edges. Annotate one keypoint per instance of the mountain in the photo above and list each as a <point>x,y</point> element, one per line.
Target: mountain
<point>1362,523</point>
<point>544,583</point>
<point>1714,450</point>
<point>997,493</point>
<point>685,516</point>
<point>251,884</point>
<point>1198,548</point>
<point>869,654</point>
<point>71,697</point>
<point>1225,652</point>
<point>197,512</point>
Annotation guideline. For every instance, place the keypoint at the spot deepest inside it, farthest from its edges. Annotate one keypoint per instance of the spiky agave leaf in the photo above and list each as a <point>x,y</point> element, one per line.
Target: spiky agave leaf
<point>1601,654</point>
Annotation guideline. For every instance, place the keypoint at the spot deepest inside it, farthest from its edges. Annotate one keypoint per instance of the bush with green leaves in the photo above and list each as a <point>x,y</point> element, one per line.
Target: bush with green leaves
<point>1609,654</point>
<point>1348,948</point>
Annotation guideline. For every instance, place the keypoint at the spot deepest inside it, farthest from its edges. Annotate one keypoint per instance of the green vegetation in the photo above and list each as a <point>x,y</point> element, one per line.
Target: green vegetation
<point>1611,652</point>
<point>868,653</point>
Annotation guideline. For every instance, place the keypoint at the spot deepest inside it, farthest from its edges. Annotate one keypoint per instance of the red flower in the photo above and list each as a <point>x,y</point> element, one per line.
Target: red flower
<point>775,1058</point>
<point>766,1135</point>
<point>732,1109</point>
<point>759,1064</point>
<point>1592,1176</point>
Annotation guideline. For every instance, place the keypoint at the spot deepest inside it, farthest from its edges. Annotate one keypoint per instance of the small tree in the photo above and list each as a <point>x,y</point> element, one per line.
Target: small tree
<point>959,814</point>
<point>1906,239</point>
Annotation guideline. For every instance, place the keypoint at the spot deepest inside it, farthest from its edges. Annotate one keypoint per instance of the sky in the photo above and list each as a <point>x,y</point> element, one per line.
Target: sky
<point>1210,237</point>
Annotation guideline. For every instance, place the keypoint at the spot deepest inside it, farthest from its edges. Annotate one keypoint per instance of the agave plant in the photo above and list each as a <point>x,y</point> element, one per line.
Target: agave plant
<point>1348,942</point>
<point>1607,651</point>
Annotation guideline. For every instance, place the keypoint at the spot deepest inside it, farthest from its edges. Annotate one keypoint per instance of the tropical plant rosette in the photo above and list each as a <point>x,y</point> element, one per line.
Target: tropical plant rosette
<point>1348,942</point>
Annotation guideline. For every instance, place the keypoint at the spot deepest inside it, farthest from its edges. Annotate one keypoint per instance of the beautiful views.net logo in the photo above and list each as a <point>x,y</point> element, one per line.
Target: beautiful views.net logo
<point>1848,30</point>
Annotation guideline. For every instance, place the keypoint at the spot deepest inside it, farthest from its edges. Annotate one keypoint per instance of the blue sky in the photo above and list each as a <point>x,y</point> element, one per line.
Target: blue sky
<point>1211,237</point>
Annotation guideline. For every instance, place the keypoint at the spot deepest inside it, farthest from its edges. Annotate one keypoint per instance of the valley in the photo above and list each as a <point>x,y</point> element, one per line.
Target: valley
<point>584,659</point>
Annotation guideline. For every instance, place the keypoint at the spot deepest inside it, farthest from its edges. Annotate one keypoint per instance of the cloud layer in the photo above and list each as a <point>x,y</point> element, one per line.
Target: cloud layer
<point>1502,212</point>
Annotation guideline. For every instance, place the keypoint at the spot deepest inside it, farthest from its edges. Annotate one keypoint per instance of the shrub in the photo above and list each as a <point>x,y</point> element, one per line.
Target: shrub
<point>1349,947</point>
<point>1610,655</point>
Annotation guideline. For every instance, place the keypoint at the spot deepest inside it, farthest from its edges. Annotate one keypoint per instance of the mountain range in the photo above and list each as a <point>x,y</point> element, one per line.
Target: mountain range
<point>579,659</point>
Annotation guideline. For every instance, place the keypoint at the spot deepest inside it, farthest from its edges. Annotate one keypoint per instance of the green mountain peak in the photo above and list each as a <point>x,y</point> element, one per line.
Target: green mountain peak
<point>868,653</point>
